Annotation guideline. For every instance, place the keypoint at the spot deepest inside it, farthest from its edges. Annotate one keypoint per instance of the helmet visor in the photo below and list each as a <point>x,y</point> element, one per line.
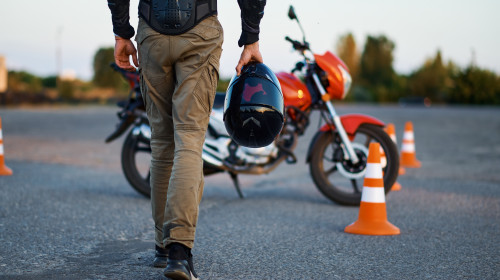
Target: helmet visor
<point>256,91</point>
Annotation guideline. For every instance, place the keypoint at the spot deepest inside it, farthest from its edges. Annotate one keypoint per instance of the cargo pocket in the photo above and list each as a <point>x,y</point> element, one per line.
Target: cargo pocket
<point>213,73</point>
<point>144,90</point>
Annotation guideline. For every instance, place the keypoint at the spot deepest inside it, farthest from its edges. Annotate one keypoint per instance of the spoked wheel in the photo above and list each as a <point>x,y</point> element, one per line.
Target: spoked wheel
<point>339,179</point>
<point>136,158</point>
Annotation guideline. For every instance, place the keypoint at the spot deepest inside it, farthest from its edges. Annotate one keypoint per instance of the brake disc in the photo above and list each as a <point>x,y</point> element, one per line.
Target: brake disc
<point>354,171</point>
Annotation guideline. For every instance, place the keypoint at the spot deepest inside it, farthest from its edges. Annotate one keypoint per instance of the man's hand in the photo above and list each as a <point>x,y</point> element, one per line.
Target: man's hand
<point>251,53</point>
<point>124,48</point>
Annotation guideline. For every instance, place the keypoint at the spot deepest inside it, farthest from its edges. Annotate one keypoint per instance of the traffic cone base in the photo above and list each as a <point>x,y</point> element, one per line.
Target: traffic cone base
<point>409,160</point>
<point>396,187</point>
<point>372,221</point>
<point>402,170</point>
<point>4,170</point>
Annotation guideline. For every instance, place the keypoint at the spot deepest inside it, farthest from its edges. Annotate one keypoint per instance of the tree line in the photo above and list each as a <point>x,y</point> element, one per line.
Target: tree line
<point>374,79</point>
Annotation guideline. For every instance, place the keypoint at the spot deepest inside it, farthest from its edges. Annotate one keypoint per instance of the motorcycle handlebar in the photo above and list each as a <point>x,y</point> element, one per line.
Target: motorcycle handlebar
<point>298,45</point>
<point>129,76</point>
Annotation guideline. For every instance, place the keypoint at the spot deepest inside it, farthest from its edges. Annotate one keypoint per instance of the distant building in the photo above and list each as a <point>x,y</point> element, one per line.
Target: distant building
<point>68,75</point>
<point>3,74</point>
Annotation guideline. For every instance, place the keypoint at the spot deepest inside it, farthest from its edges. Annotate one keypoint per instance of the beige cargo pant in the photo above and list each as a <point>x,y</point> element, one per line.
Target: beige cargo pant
<point>179,75</point>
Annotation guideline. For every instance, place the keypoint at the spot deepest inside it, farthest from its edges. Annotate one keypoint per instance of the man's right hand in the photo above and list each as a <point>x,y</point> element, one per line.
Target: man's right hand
<point>124,48</point>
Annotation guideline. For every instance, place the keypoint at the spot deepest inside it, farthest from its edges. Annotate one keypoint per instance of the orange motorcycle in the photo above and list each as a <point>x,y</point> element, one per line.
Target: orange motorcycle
<point>338,153</point>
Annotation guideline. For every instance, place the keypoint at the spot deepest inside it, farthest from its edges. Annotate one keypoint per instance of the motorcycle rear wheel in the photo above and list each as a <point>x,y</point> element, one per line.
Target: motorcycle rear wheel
<point>331,175</point>
<point>135,158</point>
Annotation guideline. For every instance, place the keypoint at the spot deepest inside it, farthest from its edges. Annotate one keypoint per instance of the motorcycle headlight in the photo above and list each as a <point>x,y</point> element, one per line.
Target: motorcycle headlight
<point>346,77</point>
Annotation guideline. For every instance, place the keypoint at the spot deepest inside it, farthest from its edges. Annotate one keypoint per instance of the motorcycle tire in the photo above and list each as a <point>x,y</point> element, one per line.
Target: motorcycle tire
<point>131,147</point>
<point>338,189</point>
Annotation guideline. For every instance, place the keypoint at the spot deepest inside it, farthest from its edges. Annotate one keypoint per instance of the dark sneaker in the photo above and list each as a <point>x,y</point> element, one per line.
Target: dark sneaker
<point>180,263</point>
<point>161,255</point>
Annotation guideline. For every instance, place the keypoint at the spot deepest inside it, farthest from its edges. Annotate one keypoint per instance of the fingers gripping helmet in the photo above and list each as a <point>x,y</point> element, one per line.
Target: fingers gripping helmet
<point>253,109</point>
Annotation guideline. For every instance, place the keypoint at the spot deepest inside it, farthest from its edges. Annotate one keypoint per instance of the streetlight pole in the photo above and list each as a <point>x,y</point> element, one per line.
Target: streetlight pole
<point>59,56</point>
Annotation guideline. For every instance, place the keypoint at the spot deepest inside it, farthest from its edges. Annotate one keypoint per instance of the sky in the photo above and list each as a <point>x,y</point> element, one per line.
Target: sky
<point>464,30</point>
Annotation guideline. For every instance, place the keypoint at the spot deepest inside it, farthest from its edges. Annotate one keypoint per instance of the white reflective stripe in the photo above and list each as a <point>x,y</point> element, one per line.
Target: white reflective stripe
<point>375,195</point>
<point>408,135</point>
<point>408,147</point>
<point>1,149</point>
<point>373,170</point>
<point>393,137</point>
<point>383,161</point>
<point>1,136</point>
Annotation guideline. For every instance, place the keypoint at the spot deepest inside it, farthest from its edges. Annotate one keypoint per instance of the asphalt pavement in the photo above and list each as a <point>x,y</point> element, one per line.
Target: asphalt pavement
<point>68,212</point>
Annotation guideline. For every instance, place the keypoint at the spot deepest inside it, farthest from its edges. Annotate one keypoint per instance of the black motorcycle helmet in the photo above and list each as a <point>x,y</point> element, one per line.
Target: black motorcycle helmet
<point>253,108</point>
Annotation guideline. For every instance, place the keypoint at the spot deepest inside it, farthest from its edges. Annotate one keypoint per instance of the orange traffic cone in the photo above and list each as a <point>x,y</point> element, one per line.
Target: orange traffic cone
<point>383,158</point>
<point>391,131</point>
<point>372,219</point>
<point>4,170</point>
<point>396,187</point>
<point>383,163</point>
<point>408,157</point>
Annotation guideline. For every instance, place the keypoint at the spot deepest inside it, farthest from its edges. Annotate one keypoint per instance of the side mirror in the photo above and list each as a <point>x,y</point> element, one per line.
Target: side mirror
<point>291,13</point>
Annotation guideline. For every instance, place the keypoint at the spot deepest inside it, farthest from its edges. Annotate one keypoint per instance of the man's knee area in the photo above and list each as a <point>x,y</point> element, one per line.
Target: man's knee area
<point>159,161</point>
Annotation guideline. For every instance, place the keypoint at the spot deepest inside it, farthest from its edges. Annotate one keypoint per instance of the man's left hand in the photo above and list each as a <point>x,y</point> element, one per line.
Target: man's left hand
<point>124,48</point>
<point>251,53</point>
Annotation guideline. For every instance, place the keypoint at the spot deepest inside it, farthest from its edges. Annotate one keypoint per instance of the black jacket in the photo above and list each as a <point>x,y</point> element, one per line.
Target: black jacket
<point>252,12</point>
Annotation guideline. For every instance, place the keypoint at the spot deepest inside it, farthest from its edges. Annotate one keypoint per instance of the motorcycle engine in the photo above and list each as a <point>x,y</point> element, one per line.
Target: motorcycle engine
<point>257,155</point>
<point>221,146</point>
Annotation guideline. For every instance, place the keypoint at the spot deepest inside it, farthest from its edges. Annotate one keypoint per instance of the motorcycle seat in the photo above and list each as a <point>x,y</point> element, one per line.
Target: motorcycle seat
<point>219,99</point>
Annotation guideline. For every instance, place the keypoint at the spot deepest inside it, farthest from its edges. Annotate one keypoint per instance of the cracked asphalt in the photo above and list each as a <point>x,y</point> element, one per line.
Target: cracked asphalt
<point>68,212</point>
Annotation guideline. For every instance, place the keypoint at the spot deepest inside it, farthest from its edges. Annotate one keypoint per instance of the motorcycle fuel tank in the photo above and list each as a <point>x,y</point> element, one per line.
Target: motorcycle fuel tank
<point>295,92</point>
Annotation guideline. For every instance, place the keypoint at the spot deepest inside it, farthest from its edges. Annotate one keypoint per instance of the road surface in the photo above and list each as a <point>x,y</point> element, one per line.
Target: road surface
<point>68,212</point>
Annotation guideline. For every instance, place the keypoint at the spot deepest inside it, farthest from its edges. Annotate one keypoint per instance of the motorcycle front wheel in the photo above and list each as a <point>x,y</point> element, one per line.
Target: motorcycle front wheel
<point>136,157</point>
<point>340,180</point>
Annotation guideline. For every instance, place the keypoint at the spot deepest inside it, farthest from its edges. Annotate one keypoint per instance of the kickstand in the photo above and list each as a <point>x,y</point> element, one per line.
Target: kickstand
<point>236,182</point>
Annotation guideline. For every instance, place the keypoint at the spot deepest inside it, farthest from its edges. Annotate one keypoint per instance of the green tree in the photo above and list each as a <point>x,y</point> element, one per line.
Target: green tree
<point>432,80</point>
<point>49,82</point>
<point>104,75</point>
<point>347,50</point>
<point>66,90</point>
<point>476,86</point>
<point>376,61</point>
<point>22,81</point>
<point>376,74</point>
<point>222,85</point>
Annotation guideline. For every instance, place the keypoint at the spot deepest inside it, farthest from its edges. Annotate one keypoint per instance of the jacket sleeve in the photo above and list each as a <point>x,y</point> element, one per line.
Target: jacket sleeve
<point>121,19</point>
<point>252,12</point>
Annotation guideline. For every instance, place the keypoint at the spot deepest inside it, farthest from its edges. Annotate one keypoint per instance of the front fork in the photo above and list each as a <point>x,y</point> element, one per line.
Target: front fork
<point>336,121</point>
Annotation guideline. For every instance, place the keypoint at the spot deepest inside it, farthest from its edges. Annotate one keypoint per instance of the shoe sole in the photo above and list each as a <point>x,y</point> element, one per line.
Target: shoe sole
<point>160,265</point>
<point>178,275</point>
